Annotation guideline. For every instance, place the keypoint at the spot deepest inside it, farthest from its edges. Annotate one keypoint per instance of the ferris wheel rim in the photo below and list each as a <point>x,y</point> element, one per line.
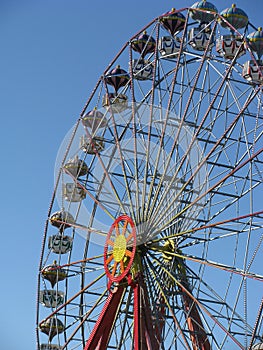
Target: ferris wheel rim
<point>161,250</point>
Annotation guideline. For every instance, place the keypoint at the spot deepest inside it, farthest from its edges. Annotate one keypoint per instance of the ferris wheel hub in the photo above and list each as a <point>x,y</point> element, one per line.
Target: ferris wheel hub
<point>120,248</point>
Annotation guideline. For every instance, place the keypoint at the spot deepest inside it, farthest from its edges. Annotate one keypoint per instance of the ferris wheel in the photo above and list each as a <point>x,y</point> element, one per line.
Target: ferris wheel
<point>154,237</point>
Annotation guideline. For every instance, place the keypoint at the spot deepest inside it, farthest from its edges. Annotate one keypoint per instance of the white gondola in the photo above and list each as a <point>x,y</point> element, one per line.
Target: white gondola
<point>258,346</point>
<point>199,38</point>
<point>253,71</point>
<point>60,244</point>
<point>51,298</point>
<point>228,45</point>
<point>142,69</point>
<point>50,347</point>
<point>169,47</point>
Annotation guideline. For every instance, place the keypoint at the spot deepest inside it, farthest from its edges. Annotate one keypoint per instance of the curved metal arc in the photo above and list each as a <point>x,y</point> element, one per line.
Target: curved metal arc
<point>54,194</point>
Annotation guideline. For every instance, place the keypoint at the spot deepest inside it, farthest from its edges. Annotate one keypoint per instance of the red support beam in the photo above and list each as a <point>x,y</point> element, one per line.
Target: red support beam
<point>197,332</point>
<point>101,332</point>
<point>145,337</point>
<point>146,333</point>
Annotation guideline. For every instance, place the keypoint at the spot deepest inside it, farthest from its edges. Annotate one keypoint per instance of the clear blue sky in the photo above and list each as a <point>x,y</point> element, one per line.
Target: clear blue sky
<point>52,54</point>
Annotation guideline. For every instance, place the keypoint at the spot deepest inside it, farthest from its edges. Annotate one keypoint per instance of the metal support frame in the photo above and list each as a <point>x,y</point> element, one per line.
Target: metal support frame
<point>101,332</point>
<point>146,335</point>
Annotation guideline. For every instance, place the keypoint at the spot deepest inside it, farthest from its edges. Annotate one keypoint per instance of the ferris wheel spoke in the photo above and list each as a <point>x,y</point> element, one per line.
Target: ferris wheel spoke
<point>125,167</point>
<point>152,95</point>
<point>106,173</point>
<point>170,89</point>
<point>161,251</point>
<point>155,171</point>
<point>114,269</point>
<point>124,228</point>
<point>203,162</point>
<point>122,268</point>
<point>110,258</point>
<point>93,198</point>
<point>130,236</point>
<point>85,319</point>
<point>211,152</point>
<point>214,264</point>
<point>259,314</point>
<point>223,231</point>
<point>77,262</point>
<point>190,98</point>
<point>193,317</point>
<point>237,168</point>
<point>108,164</point>
<point>110,242</point>
<point>191,142</point>
<point>201,306</point>
<point>163,295</point>
<point>128,253</point>
<point>149,212</point>
<point>117,232</point>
